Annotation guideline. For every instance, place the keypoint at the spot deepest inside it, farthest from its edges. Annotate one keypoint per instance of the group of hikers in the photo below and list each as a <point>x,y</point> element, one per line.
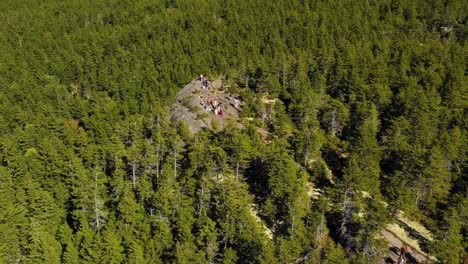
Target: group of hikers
<point>215,105</point>
<point>208,104</point>
<point>211,105</point>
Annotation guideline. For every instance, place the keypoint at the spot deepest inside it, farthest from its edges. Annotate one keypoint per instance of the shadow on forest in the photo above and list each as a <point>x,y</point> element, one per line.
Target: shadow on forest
<point>257,179</point>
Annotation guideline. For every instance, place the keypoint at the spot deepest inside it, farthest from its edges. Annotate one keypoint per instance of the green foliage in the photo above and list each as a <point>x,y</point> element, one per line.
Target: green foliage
<point>364,101</point>
<point>450,248</point>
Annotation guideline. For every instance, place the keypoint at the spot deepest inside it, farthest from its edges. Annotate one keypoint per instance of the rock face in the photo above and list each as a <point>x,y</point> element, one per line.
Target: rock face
<point>192,100</point>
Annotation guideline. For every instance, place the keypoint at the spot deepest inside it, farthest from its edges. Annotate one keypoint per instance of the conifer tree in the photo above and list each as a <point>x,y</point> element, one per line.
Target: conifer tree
<point>450,249</point>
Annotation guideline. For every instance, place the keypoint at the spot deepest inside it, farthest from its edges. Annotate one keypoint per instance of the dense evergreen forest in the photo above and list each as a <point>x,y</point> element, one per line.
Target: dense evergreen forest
<point>372,117</point>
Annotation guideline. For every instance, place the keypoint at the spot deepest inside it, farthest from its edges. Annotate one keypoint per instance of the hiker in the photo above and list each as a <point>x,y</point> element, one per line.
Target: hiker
<point>236,103</point>
<point>204,81</point>
<point>220,112</point>
<point>402,257</point>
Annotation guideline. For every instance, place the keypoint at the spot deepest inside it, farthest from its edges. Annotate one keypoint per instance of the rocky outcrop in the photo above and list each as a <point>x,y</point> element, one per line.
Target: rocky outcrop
<point>189,108</point>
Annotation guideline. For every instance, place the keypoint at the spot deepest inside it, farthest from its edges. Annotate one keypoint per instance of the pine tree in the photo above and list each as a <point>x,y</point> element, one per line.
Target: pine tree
<point>239,148</point>
<point>12,217</point>
<point>136,254</point>
<point>86,247</point>
<point>70,252</point>
<point>450,249</point>
<point>109,246</point>
<point>363,172</point>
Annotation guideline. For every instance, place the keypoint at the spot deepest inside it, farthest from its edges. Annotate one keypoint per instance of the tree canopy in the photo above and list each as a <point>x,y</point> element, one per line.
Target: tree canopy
<point>370,113</point>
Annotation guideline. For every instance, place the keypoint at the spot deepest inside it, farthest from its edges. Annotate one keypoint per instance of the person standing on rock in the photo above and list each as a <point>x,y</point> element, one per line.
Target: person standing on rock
<point>236,103</point>
<point>402,257</point>
<point>204,82</point>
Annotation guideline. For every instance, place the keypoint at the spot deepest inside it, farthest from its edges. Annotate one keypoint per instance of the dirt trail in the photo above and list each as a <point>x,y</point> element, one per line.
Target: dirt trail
<point>395,244</point>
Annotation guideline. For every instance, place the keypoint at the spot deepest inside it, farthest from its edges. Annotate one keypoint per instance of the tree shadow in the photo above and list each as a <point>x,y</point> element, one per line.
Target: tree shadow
<point>413,233</point>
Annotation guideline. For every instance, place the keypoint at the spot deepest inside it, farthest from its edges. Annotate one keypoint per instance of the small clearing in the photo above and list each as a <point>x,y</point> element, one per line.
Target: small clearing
<point>392,234</point>
<point>396,235</point>
<point>196,106</point>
